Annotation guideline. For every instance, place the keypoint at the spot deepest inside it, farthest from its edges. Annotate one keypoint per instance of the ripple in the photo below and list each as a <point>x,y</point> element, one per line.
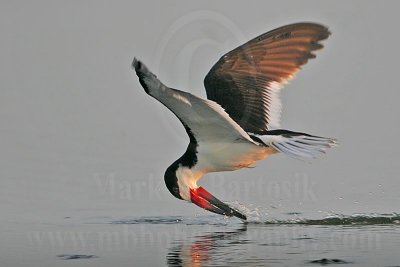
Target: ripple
<point>359,219</point>
<point>338,219</point>
<point>151,220</point>
<point>75,256</point>
<point>325,261</point>
<point>154,220</point>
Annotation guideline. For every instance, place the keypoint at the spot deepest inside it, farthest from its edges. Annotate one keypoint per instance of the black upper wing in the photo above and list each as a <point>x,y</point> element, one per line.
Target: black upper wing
<point>247,80</point>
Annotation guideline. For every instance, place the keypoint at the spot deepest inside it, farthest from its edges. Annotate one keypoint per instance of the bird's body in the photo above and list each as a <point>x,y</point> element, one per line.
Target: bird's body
<point>216,157</point>
<point>233,128</point>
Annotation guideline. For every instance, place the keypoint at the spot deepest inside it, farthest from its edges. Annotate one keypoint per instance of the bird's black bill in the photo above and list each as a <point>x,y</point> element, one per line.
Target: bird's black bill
<point>205,200</point>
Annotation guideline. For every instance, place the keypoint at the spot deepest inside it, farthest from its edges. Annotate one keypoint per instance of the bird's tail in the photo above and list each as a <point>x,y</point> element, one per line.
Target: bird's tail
<point>297,145</point>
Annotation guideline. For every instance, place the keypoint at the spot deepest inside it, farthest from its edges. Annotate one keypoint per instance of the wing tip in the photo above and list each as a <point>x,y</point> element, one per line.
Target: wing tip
<point>136,63</point>
<point>146,78</point>
<point>140,68</point>
<point>322,31</point>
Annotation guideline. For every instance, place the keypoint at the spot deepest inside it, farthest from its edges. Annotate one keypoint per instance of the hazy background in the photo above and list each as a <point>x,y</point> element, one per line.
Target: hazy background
<point>79,137</point>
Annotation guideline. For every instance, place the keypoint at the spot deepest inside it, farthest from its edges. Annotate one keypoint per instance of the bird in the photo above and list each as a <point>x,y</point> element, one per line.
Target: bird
<point>239,122</point>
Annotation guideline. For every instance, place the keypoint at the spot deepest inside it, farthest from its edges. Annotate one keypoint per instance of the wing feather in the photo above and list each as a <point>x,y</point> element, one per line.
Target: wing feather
<point>246,81</point>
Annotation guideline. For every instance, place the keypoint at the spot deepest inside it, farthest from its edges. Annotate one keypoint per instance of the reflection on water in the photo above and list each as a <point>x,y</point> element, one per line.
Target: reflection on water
<point>205,248</point>
<point>349,240</point>
<point>334,240</point>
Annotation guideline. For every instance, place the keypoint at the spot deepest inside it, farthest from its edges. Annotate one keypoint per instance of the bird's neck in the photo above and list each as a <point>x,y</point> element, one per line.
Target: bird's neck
<point>187,179</point>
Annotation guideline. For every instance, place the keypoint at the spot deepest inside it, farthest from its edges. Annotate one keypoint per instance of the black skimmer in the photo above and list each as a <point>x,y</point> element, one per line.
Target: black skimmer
<point>239,122</point>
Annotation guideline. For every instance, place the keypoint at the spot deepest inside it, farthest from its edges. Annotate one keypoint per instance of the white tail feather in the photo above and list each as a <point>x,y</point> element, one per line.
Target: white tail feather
<point>299,145</point>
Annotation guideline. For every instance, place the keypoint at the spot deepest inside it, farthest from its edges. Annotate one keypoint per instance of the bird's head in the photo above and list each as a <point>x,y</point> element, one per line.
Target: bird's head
<point>181,183</point>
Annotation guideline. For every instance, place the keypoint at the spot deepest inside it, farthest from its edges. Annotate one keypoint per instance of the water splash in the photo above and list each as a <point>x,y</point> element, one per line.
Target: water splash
<point>259,215</point>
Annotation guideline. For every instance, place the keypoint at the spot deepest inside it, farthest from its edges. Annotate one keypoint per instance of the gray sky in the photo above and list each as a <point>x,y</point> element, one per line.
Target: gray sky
<point>79,133</point>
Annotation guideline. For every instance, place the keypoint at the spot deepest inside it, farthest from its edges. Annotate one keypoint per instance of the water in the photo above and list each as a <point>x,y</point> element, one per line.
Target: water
<point>336,240</point>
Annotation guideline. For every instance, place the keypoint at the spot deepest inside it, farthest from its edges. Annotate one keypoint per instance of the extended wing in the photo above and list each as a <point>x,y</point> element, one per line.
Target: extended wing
<point>247,80</point>
<point>204,120</point>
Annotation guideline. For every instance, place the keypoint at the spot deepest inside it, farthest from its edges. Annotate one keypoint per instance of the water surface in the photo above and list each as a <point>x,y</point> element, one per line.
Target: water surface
<point>358,240</point>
